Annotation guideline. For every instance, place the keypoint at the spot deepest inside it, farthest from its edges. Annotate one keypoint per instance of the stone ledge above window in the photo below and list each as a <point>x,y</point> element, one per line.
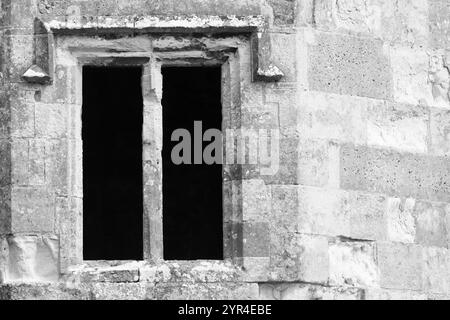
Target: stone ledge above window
<point>254,26</point>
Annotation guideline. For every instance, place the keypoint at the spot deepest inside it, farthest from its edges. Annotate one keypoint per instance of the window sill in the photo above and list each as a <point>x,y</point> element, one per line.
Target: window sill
<point>203,271</point>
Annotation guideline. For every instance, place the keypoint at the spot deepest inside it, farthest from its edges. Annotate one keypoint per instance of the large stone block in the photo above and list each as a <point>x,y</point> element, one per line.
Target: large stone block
<point>32,210</point>
<point>283,46</point>
<point>32,258</point>
<point>320,212</point>
<point>256,239</point>
<point>41,291</point>
<point>439,17</point>
<point>334,117</point>
<point>385,171</point>
<point>283,216</point>
<point>282,101</point>
<point>52,120</point>
<point>57,165</point>
<point>399,22</point>
<point>295,257</point>
<point>436,270</point>
<point>410,70</point>
<point>349,65</point>
<point>401,226</point>
<point>400,266</point>
<point>5,210</point>
<point>22,119</point>
<point>397,126</point>
<point>36,162</point>
<point>389,294</point>
<point>287,291</point>
<point>21,52</point>
<point>5,163</point>
<point>206,291</point>
<point>69,228</point>
<point>431,224</point>
<point>440,132</point>
<point>318,163</point>
<point>367,215</point>
<point>332,212</point>
<point>353,264</point>
<point>20,162</point>
<point>255,200</point>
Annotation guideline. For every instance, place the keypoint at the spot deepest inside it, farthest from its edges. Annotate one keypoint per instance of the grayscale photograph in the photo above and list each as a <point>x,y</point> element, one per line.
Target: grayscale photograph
<point>220,157</point>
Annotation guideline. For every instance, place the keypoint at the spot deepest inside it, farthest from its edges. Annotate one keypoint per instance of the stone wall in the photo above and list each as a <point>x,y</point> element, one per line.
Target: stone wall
<point>360,208</point>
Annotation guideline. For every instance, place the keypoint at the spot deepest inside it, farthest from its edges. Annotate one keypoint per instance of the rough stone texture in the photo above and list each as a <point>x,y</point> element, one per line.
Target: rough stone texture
<point>349,65</point>
<point>353,264</point>
<point>400,266</point>
<point>385,171</point>
<point>439,21</point>
<point>359,208</point>
<point>398,22</point>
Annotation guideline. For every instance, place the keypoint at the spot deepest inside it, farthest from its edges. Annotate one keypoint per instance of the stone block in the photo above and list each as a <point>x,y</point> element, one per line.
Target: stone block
<point>353,264</point>
<point>397,126</point>
<point>57,165</point>
<point>295,257</point>
<point>20,162</point>
<point>65,88</point>
<point>287,164</point>
<point>32,210</point>
<point>401,226</point>
<point>5,210</point>
<point>367,215</point>
<point>410,69</point>
<point>388,294</point>
<point>287,291</point>
<point>32,258</point>
<point>400,266</point>
<point>69,227</point>
<point>436,270</point>
<point>206,291</point>
<point>402,22</point>
<point>439,13</point>
<point>22,15</point>
<point>42,291</point>
<point>393,173</point>
<point>21,52</point>
<point>349,65</point>
<point>334,117</point>
<point>255,200</point>
<point>119,291</point>
<point>431,224</point>
<point>5,163</point>
<point>320,212</point>
<point>284,11</point>
<point>283,216</point>
<point>440,132</point>
<point>36,162</point>
<point>256,239</point>
<point>256,269</point>
<point>22,119</point>
<point>282,101</point>
<point>318,163</point>
<point>283,51</point>
<point>52,120</point>
<point>314,259</point>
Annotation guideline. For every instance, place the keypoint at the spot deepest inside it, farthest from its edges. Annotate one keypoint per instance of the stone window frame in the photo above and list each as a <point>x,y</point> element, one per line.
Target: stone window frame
<point>232,49</point>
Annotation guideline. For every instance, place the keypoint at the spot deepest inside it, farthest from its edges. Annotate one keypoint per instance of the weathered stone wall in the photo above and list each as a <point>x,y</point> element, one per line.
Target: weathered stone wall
<point>360,208</point>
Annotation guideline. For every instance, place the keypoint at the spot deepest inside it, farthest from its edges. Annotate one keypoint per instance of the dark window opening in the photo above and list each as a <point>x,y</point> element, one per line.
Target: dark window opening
<point>192,193</point>
<point>112,163</point>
